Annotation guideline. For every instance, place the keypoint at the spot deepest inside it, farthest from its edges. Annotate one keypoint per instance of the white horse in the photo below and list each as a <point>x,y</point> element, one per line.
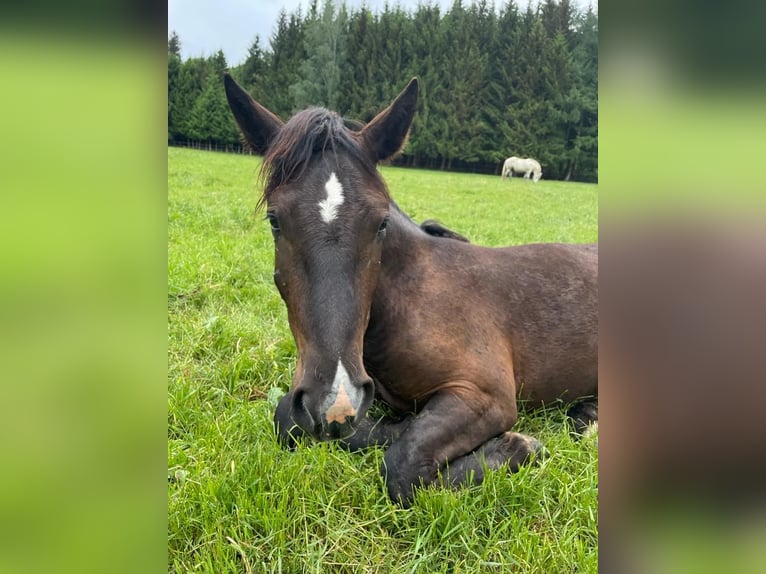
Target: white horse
<point>525,166</point>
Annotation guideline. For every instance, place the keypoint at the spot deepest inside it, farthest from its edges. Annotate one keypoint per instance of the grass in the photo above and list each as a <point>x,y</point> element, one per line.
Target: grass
<point>238,503</point>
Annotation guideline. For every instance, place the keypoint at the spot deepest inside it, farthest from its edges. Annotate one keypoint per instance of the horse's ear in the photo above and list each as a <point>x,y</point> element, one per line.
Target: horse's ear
<point>386,134</point>
<point>258,125</point>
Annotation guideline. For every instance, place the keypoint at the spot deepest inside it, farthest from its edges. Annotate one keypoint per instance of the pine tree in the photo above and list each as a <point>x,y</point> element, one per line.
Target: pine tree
<point>174,44</point>
<point>174,71</point>
<point>325,44</point>
<point>464,83</point>
<point>502,99</point>
<point>191,81</point>
<point>211,117</point>
<point>584,135</point>
<point>357,89</point>
<point>253,73</point>
<point>558,17</point>
<point>426,61</point>
<point>288,51</point>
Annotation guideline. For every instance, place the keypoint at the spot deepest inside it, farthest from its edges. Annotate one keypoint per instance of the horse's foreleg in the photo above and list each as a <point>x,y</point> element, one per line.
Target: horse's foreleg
<point>448,427</point>
<point>369,432</point>
<point>287,430</point>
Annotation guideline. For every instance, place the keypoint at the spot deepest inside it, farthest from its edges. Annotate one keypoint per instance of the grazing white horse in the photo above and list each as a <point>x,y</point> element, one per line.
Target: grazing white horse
<point>525,166</point>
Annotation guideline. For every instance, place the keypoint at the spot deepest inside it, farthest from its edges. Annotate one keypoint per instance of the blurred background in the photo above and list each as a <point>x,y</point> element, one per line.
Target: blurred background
<point>683,270</point>
<point>83,283</point>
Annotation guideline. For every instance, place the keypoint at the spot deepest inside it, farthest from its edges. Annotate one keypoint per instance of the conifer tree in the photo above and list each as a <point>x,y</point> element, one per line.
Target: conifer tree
<point>357,97</point>
<point>174,71</point>
<point>319,72</point>
<point>212,119</point>
<point>253,73</point>
<point>426,62</point>
<point>174,44</point>
<point>287,53</point>
<point>191,81</point>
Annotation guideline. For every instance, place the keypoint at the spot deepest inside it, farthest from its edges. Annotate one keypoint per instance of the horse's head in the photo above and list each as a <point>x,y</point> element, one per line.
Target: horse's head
<point>328,209</point>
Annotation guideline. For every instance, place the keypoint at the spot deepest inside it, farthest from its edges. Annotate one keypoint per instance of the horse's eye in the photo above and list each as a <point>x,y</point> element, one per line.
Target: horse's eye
<point>382,227</point>
<point>271,216</point>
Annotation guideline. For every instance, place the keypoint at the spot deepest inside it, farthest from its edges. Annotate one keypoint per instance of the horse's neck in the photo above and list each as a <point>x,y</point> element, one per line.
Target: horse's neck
<point>404,241</point>
<point>404,248</point>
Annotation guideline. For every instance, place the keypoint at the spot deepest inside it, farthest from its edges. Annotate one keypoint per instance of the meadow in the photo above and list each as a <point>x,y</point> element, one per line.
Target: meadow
<point>237,502</point>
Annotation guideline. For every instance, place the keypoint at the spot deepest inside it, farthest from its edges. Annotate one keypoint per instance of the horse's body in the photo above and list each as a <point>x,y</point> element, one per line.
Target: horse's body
<point>448,333</point>
<point>526,166</point>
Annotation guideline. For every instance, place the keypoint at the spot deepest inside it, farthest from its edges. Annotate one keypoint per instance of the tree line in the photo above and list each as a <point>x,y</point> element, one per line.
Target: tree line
<point>494,81</point>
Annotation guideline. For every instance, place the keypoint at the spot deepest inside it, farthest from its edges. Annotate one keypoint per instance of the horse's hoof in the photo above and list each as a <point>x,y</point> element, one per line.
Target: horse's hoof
<point>539,451</point>
<point>522,449</point>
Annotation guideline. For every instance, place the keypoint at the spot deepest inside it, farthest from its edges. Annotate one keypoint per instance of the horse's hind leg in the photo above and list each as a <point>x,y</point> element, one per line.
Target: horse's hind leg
<point>514,449</point>
<point>584,416</point>
<point>510,448</point>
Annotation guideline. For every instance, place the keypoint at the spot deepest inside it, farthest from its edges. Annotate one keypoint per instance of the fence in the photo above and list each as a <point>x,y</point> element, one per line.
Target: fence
<point>488,168</point>
<point>401,161</point>
<point>211,146</point>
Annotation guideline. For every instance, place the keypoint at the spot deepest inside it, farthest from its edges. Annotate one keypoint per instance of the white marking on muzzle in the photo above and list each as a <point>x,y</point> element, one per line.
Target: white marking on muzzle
<point>344,399</point>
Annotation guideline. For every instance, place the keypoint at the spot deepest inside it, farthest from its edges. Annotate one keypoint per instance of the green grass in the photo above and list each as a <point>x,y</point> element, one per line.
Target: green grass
<point>238,503</point>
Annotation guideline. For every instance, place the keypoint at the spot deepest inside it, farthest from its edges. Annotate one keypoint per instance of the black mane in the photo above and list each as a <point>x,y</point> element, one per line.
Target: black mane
<point>307,134</point>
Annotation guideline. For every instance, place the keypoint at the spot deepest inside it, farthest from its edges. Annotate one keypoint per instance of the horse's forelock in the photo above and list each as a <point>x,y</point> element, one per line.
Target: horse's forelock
<point>310,132</point>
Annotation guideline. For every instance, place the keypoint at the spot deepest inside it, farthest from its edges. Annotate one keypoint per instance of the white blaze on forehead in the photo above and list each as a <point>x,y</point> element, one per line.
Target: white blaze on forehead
<point>329,207</point>
<point>343,399</point>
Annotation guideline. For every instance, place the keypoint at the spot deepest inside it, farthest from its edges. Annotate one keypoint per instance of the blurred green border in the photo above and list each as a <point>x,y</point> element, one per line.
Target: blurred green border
<point>83,305</point>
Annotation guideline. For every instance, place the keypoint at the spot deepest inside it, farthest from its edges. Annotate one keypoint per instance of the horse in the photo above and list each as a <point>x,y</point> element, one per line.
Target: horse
<point>526,166</point>
<point>450,335</point>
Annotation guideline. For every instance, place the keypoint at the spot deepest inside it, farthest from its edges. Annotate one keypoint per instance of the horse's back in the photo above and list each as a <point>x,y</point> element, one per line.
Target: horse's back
<point>509,163</point>
<point>552,323</point>
<point>548,294</point>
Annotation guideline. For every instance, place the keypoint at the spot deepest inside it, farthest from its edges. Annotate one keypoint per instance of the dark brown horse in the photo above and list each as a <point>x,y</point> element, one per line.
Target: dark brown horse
<point>449,334</point>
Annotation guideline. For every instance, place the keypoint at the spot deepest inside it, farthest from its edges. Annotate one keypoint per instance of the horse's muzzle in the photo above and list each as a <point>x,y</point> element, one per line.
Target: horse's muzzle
<point>336,430</point>
<point>333,416</point>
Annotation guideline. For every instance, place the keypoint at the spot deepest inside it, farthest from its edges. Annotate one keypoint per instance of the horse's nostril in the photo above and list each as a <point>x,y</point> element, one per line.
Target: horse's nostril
<point>300,409</point>
<point>336,430</point>
<point>298,399</point>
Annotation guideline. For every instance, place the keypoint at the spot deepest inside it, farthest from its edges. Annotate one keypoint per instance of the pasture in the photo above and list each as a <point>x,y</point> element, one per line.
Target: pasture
<point>237,502</point>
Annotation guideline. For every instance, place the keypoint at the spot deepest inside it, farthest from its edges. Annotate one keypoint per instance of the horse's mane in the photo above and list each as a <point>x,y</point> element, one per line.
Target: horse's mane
<point>308,133</point>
